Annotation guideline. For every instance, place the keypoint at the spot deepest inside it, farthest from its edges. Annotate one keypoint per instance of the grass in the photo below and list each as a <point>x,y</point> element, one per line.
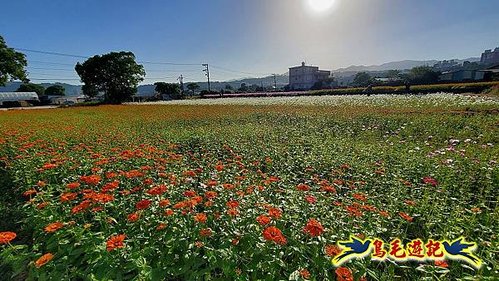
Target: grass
<point>254,154</point>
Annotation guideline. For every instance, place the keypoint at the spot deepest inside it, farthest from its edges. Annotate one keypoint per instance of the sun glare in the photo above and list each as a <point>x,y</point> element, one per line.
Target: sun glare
<point>321,5</point>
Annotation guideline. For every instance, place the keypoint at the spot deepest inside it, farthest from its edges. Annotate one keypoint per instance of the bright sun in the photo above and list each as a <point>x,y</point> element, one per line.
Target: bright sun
<point>320,5</point>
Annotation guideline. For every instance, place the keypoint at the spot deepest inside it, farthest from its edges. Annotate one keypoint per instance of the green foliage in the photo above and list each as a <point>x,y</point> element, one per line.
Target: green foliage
<point>423,75</point>
<point>193,87</point>
<point>169,89</point>
<point>12,64</point>
<point>30,87</point>
<point>55,90</point>
<point>116,74</point>
<point>362,79</point>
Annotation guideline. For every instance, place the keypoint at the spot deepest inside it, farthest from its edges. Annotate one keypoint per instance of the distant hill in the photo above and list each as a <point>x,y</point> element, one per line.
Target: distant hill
<point>71,90</point>
<point>343,75</point>
<point>400,65</point>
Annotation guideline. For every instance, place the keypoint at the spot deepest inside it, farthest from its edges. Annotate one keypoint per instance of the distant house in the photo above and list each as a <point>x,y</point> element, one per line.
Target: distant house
<point>490,57</point>
<point>304,77</point>
<point>462,75</point>
<point>12,97</point>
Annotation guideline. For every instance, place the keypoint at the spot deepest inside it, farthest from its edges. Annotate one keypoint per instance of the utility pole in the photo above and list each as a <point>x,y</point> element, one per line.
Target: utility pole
<point>275,83</point>
<point>207,73</point>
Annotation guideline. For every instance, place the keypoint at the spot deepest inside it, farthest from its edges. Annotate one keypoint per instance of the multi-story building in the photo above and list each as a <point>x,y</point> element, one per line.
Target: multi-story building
<point>304,77</point>
<point>490,57</point>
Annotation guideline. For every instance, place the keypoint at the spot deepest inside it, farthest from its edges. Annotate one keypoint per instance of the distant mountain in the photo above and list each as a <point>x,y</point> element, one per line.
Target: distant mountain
<point>400,65</point>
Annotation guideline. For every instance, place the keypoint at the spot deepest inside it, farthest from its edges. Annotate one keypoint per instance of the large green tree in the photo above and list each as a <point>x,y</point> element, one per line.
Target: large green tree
<point>55,90</point>
<point>168,89</point>
<point>116,74</point>
<point>423,75</point>
<point>30,87</point>
<point>362,79</point>
<point>12,64</point>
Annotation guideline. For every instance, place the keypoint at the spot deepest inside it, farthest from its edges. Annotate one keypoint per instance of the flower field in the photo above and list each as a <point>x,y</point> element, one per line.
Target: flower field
<point>245,189</point>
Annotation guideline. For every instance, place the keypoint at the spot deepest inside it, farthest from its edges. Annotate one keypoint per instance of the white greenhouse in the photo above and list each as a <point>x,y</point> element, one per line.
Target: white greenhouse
<point>17,96</point>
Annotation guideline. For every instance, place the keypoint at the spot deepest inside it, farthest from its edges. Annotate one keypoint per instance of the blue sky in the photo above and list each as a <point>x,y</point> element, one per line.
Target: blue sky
<point>242,38</point>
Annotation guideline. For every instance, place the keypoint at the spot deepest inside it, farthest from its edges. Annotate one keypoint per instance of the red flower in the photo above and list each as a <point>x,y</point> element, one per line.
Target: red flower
<point>73,185</point>
<point>263,220</point>
<point>275,213</point>
<point>210,194</point>
<point>232,204</point>
<point>201,218</point>
<point>164,203</point>
<point>205,232</point>
<point>305,273</point>
<point>115,242</point>
<point>158,190</point>
<point>431,181</point>
<point>189,193</point>
<point>310,199</point>
<point>441,263</point>
<point>332,250</point>
<point>143,204</point>
<point>133,217</point>
<point>344,274</point>
<point>303,187</point>
<point>360,197</point>
<point>314,228</point>
<point>6,237</point>
<point>273,233</point>
<point>406,216</point>
<point>91,180</point>
<point>69,196</point>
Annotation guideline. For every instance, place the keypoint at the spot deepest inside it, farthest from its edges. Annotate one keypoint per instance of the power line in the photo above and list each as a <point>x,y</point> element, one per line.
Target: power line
<point>224,69</point>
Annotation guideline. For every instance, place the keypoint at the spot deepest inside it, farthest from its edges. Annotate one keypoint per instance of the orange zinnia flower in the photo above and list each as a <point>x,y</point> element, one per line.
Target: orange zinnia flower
<point>73,185</point>
<point>314,228</point>
<point>133,217</point>
<point>210,194</point>
<point>305,273</point>
<point>275,212</point>
<point>53,227</point>
<point>158,190</point>
<point>344,274</point>
<point>205,232</point>
<point>6,237</point>
<point>273,233</point>
<point>91,180</point>
<point>303,187</point>
<point>441,263</point>
<point>232,204</point>
<point>115,242</point>
<point>69,196</point>
<point>263,220</point>
<point>164,203</point>
<point>43,260</point>
<point>406,216</point>
<point>143,204</point>
<point>201,217</point>
<point>332,250</point>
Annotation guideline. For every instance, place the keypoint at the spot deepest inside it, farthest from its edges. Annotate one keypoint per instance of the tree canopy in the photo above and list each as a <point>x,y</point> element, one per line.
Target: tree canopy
<point>116,74</point>
<point>169,89</point>
<point>423,75</point>
<point>30,87</point>
<point>55,90</point>
<point>362,79</point>
<point>12,64</point>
